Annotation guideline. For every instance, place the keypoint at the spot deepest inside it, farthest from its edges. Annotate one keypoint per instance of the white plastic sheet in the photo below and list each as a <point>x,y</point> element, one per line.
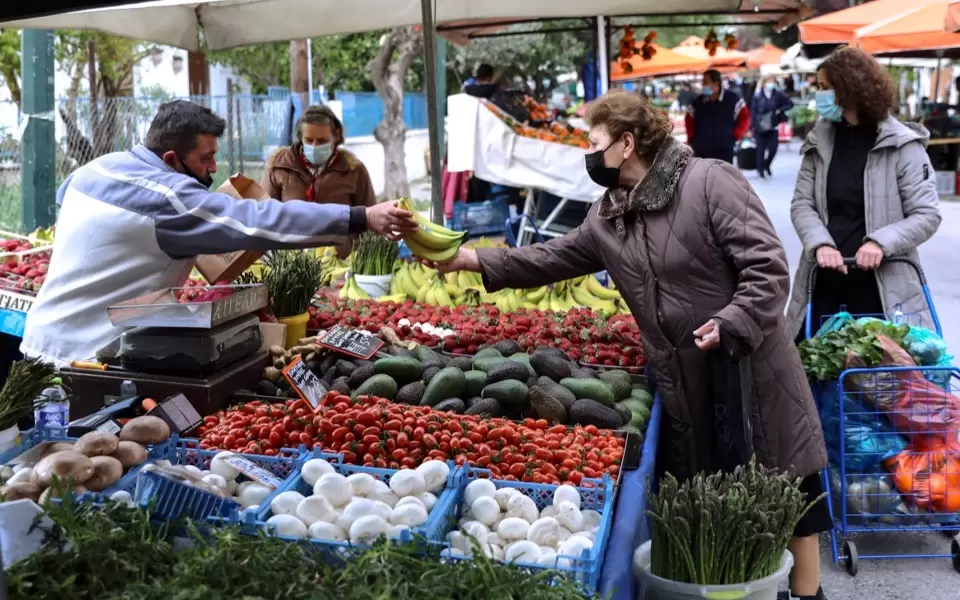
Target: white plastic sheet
<point>480,142</point>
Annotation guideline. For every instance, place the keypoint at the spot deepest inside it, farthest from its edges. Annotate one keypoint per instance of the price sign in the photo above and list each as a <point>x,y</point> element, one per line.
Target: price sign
<point>307,385</point>
<point>254,472</point>
<point>352,342</point>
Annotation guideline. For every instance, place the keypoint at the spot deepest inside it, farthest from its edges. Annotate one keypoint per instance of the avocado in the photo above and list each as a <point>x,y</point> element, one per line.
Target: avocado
<point>507,370</point>
<point>506,347</point>
<point>547,407</point>
<point>329,375</point>
<point>359,375</point>
<point>328,361</point>
<point>593,389</point>
<point>642,395</point>
<point>639,419</point>
<point>548,365</point>
<point>450,382</point>
<point>469,402</point>
<point>633,431</point>
<point>509,392</point>
<point>583,373</point>
<point>624,411</point>
<point>340,385</point>
<point>619,380</point>
<point>454,405</point>
<point>381,385</point>
<point>464,363</point>
<point>565,396</point>
<point>485,406</point>
<point>267,388</point>
<point>400,351</point>
<point>551,351</point>
<point>487,353</point>
<point>476,380</point>
<point>429,372</point>
<point>634,404</point>
<point>424,354</point>
<point>411,393</point>
<point>345,367</point>
<point>527,412</point>
<point>532,381</point>
<point>523,359</point>
<point>590,412</point>
<point>401,368</point>
<point>313,366</point>
<point>487,362</point>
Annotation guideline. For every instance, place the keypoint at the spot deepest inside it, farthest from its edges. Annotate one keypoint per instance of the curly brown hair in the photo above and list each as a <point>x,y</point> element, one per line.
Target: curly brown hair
<point>860,82</point>
<point>623,112</point>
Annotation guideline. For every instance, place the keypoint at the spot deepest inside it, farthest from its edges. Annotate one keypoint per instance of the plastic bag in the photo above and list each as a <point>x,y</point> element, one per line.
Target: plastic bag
<point>927,348</point>
<point>929,475</point>
<point>870,496</point>
<point>835,323</point>
<point>867,438</point>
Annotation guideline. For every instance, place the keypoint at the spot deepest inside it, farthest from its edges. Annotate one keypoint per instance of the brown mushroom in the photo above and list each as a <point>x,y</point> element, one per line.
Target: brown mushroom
<point>106,471</point>
<point>97,443</point>
<point>145,430</point>
<point>130,454</point>
<point>67,465</point>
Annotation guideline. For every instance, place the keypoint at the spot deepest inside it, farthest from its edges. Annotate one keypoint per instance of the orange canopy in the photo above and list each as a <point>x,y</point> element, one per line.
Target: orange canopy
<point>664,62</point>
<point>694,48</point>
<point>952,21</point>
<point>768,54</point>
<point>917,28</point>
<point>840,27</point>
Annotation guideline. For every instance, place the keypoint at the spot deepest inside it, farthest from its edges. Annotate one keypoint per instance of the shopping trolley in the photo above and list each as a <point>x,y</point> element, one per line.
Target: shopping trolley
<point>896,467</point>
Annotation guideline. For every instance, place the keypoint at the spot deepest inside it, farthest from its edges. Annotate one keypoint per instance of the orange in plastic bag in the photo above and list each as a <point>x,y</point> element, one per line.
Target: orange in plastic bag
<point>929,475</point>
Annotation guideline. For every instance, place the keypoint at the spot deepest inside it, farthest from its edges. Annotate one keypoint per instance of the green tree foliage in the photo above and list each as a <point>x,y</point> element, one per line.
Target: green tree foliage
<point>262,65</point>
<point>10,61</point>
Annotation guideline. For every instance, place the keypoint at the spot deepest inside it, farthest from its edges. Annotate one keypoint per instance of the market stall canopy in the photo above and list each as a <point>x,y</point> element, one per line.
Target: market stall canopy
<point>664,62</point>
<point>840,27</point>
<point>952,21</point>
<point>768,54</point>
<point>230,23</point>
<point>918,31</point>
<point>722,59</point>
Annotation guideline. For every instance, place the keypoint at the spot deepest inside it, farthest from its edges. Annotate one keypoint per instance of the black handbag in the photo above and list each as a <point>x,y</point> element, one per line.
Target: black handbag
<point>732,377</point>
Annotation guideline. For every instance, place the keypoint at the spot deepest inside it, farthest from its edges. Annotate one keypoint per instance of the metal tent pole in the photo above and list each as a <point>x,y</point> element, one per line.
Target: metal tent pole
<point>603,44</point>
<point>433,117</point>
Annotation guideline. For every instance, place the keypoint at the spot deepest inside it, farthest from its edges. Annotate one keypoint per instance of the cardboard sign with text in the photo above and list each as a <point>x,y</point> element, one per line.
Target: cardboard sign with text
<point>227,267</point>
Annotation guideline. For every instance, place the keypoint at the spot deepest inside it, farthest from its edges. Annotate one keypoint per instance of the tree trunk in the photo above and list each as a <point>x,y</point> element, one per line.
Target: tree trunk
<point>299,77</point>
<point>388,70</point>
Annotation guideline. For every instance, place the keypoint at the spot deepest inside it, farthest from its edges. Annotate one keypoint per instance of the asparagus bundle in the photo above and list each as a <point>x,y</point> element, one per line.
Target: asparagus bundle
<point>25,380</point>
<point>724,529</point>
<point>374,255</point>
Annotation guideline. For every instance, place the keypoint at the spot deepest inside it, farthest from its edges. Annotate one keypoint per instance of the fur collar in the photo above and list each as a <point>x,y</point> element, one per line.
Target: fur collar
<point>657,188</point>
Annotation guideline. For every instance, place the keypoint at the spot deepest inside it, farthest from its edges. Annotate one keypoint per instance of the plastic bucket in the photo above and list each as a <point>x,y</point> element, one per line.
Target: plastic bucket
<point>296,328</point>
<point>658,588</point>
<point>374,285</point>
<point>8,438</point>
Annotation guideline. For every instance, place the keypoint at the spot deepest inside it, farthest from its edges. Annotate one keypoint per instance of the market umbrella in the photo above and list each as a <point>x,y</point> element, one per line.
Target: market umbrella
<point>768,54</point>
<point>721,59</point>
<point>918,31</point>
<point>840,27</point>
<point>663,62</point>
<point>952,21</point>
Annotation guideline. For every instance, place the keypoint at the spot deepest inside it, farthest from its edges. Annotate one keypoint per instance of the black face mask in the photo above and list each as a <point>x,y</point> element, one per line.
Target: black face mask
<point>600,173</point>
<point>204,181</point>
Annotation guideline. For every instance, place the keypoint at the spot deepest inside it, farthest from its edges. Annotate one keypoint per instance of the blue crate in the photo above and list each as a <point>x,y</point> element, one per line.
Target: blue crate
<point>481,218</point>
<point>584,570</point>
<point>441,518</point>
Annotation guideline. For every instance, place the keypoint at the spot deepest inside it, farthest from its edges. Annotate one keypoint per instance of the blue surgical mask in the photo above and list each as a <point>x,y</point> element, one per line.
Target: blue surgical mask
<point>769,86</point>
<point>318,155</point>
<point>707,90</point>
<point>827,107</point>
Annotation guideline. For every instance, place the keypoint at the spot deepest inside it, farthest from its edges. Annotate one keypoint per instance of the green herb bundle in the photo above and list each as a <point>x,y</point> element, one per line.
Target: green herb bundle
<point>25,380</point>
<point>724,529</point>
<point>825,357</point>
<point>115,553</point>
<point>292,278</point>
<point>373,255</point>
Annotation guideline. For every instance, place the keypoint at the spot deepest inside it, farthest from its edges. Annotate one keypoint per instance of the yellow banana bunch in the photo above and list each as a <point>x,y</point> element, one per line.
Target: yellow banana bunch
<point>435,293</point>
<point>417,274</point>
<point>582,295</point>
<point>468,297</point>
<point>537,294</point>
<point>596,288</point>
<point>352,291</point>
<point>393,298</point>
<point>431,241</point>
<point>559,298</point>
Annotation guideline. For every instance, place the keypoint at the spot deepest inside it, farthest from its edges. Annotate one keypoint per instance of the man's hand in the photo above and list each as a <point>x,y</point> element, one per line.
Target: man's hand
<point>869,256</point>
<point>388,220</point>
<point>830,258</point>
<point>708,336</point>
<point>465,260</point>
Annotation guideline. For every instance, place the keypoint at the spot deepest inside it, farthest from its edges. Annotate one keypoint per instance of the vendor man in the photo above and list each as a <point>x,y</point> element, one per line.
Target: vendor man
<point>134,222</point>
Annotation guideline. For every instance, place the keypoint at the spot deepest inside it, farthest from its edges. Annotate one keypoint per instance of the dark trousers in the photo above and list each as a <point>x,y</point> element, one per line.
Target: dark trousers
<point>767,143</point>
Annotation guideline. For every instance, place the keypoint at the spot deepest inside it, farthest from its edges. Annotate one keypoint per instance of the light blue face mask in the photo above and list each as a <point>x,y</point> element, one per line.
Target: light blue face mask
<point>826,102</point>
<point>318,155</point>
<point>707,90</point>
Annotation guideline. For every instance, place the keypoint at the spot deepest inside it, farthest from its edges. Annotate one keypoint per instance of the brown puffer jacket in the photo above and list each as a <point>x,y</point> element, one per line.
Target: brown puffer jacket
<point>690,243</point>
<point>344,181</point>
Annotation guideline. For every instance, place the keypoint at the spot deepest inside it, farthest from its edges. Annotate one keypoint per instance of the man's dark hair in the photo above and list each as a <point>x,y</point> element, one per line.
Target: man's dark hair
<point>177,126</point>
<point>484,71</point>
<point>714,76</point>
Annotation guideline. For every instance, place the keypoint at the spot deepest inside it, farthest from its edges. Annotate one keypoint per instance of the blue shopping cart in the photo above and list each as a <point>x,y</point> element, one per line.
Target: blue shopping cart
<point>895,463</point>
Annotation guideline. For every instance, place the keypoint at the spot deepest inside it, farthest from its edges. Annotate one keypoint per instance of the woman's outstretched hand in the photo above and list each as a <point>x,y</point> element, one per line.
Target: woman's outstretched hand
<point>465,260</point>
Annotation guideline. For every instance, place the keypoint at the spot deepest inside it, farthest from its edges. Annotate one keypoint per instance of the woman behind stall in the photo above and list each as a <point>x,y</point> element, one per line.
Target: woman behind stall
<point>690,247</point>
<point>316,168</point>
<point>866,191</point>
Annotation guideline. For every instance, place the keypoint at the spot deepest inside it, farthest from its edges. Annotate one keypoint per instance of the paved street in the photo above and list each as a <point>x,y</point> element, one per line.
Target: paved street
<point>905,579</point>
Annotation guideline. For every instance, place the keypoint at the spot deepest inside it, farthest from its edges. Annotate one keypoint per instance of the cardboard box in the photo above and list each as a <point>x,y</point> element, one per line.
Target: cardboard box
<point>273,334</point>
<point>227,267</point>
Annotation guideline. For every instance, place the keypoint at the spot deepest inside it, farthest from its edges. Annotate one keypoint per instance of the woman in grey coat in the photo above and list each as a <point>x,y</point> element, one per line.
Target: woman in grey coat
<point>866,190</point>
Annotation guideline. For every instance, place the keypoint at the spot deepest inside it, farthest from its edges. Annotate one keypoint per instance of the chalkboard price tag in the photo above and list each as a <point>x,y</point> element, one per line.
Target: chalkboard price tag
<point>351,342</point>
<point>307,385</point>
<point>254,472</point>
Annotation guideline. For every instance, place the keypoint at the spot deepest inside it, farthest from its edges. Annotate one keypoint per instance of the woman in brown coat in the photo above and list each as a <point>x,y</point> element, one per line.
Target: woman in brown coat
<point>689,245</point>
<point>316,168</point>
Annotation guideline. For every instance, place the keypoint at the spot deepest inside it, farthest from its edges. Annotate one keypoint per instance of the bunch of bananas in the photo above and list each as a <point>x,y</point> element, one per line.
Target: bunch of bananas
<point>333,267</point>
<point>410,278</point>
<point>582,292</point>
<point>431,241</point>
<point>435,293</point>
<point>507,300</point>
<point>352,291</point>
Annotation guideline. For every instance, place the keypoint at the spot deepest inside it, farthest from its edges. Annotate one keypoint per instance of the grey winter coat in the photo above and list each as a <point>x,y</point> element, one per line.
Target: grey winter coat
<point>901,211</point>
